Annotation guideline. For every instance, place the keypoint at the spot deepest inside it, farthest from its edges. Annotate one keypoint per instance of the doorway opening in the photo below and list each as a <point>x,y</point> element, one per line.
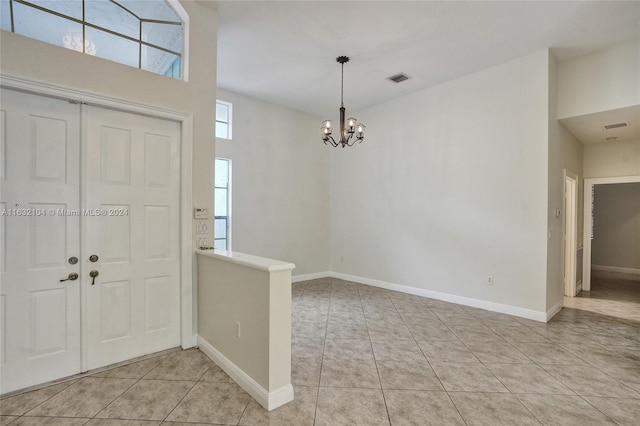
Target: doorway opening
<point>588,234</point>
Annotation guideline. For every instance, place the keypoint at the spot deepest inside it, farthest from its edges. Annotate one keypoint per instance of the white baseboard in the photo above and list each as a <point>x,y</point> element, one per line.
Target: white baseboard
<point>268,400</point>
<point>555,309</point>
<point>446,297</point>
<point>307,277</point>
<point>616,269</point>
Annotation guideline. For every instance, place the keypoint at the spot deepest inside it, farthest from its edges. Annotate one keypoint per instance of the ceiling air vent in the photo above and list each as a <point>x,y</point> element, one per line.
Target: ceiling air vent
<point>399,78</point>
<point>615,126</point>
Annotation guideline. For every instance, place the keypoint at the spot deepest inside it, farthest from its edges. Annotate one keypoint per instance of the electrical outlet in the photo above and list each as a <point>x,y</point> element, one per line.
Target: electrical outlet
<point>489,280</point>
<point>238,329</point>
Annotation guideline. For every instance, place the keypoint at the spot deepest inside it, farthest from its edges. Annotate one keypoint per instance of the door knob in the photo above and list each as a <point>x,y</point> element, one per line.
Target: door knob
<point>93,274</point>
<point>72,276</point>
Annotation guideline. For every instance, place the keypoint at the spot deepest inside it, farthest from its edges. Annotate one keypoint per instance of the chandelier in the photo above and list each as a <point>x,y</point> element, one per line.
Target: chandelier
<point>73,41</point>
<point>348,128</point>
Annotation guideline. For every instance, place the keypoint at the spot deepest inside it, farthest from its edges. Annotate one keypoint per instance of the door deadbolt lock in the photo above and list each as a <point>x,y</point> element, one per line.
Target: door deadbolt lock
<point>73,260</point>
<point>72,277</point>
<point>93,274</point>
<point>93,258</point>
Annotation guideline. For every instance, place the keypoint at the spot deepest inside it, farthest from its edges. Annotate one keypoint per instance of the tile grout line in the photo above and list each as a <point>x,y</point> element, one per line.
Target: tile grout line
<point>33,408</point>
<point>483,364</point>
<point>599,410</point>
<point>375,362</point>
<point>118,396</point>
<point>324,345</point>
<point>434,372</point>
<point>186,393</point>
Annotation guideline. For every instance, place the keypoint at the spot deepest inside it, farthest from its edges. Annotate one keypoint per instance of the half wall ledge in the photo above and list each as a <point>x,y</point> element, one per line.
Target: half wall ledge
<point>244,321</point>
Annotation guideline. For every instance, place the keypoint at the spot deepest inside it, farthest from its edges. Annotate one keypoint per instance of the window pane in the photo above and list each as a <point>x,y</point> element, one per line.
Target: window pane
<point>220,206</point>
<point>112,17</point>
<point>222,112</point>
<point>71,8</point>
<point>222,130</point>
<point>43,26</point>
<point>158,10</point>
<point>5,15</point>
<point>113,48</point>
<point>175,69</point>
<point>220,229</point>
<point>222,173</point>
<point>155,60</point>
<point>163,35</point>
<point>220,244</point>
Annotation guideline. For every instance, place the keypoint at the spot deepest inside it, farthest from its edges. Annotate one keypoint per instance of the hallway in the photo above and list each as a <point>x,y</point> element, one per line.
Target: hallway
<point>615,297</point>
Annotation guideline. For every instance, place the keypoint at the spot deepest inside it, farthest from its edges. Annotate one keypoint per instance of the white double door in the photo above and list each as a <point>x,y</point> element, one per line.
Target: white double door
<point>78,181</point>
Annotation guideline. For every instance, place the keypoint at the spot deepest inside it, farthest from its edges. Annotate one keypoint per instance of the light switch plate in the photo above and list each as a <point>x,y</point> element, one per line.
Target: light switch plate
<point>202,228</point>
<point>201,213</point>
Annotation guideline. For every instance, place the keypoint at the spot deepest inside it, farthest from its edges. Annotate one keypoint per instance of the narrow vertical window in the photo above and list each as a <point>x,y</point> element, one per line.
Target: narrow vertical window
<point>222,204</point>
<point>223,119</point>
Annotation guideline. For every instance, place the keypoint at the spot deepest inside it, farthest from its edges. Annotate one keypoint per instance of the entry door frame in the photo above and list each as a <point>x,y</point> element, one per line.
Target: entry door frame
<point>588,223</point>
<point>187,332</point>
<point>570,232</point>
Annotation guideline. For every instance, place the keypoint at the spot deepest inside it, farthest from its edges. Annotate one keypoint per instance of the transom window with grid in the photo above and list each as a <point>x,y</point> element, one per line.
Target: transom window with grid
<point>144,34</point>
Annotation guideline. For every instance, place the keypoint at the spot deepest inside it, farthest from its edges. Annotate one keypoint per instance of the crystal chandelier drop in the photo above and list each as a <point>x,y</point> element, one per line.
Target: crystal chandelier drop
<point>349,127</point>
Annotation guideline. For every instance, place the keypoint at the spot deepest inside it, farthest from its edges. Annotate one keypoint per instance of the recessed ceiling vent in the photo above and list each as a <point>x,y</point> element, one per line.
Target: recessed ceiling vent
<point>615,126</point>
<point>399,78</point>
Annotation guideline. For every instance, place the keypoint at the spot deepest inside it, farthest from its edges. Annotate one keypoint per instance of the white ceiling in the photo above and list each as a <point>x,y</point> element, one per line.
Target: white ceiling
<point>590,129</point>
<point>284,51</point>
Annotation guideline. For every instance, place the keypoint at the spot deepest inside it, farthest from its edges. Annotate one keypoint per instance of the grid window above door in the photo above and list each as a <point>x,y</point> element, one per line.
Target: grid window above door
<point>149,35</point>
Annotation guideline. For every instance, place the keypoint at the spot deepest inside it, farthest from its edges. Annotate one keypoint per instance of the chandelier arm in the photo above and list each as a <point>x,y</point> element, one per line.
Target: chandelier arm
<point>331,141</point>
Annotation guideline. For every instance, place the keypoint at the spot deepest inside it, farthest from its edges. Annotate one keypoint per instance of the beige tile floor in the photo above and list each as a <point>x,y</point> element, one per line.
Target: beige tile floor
<point>367,356</point>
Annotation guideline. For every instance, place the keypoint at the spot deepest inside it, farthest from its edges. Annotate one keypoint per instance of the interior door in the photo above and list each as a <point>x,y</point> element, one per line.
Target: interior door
<point>39,187</point>
<point>132,182</point>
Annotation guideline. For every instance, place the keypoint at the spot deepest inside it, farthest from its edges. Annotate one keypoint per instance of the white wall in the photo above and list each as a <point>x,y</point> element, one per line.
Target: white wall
<point>612,159</point>
<point>565,152</point>
<point>280,183</point>
<point>616,239</point>
<point>450,187</point>
<point>600,81</point>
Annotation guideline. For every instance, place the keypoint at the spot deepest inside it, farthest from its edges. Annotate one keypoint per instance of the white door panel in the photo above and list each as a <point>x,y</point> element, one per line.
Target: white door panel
<point>40,332</point>
<point>121,199</point>
<point>133,307</point>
